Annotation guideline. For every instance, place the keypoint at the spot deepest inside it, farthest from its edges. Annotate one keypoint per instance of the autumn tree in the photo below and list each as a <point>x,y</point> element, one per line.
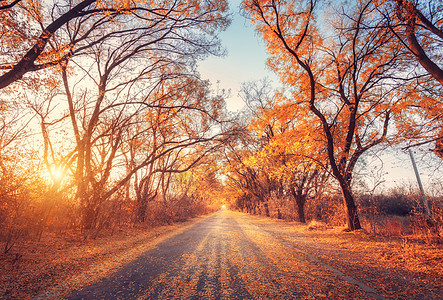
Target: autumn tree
<point>126,81</point>
<point>289,148</point>
<point>417,25</point>
<point>293,156</point>
<point>347,81</point>
<point>250,185</point>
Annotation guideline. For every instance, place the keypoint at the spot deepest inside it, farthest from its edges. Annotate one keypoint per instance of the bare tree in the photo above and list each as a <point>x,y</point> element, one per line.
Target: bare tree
<point>56,34</point>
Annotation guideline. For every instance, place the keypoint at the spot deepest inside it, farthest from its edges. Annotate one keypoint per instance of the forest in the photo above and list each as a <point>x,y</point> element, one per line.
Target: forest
<point>106,124</point>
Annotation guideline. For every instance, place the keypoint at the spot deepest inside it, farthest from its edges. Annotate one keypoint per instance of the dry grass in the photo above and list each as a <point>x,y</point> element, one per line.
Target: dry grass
<point>317,225</point>
<point>59,263</point>
<point>415,228</point>
<point>408,263</point>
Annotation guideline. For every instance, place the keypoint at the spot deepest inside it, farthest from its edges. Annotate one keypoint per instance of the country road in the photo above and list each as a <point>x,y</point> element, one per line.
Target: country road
<point>231,256</point>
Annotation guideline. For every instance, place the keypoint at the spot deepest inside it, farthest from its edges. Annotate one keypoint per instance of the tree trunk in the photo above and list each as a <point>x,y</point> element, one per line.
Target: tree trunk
<point>267,209</point>
<point>89,216</point>
<point>351,213</point>
<point>300,201</point>
<point>141,210</point>
<point>301,210</point>
<point>432,68</point>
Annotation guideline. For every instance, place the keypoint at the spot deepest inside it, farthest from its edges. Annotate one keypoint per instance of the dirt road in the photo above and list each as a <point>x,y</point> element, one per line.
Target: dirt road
<point>232,256</point>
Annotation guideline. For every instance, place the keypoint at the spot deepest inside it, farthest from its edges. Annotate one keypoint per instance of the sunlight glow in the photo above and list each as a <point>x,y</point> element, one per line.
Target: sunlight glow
<point>57,173</point>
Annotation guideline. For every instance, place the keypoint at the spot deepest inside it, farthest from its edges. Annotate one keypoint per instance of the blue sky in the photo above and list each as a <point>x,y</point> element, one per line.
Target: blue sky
<point>245,61</point>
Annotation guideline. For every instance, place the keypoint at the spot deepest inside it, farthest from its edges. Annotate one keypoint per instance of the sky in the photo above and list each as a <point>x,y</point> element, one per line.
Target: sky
<point>246,61</point>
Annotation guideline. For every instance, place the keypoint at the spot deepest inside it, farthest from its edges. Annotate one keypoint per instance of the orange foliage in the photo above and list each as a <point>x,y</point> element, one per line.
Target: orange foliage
<point>346,75</point>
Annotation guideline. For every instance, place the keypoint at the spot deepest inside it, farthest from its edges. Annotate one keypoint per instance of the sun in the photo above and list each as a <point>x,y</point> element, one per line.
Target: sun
<point>56,173</point>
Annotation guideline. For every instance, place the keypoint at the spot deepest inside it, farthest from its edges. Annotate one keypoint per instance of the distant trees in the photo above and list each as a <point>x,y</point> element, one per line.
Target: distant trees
<point>274,166</point>
<point>293,156</point>
<point>18,183</point>
<point>249,186</point>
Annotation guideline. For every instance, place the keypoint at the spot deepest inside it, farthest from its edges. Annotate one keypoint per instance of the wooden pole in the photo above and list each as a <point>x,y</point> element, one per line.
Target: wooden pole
<point>420,185</point>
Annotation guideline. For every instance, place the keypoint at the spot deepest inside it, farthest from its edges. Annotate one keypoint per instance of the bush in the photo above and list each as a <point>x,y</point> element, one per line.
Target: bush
<point>393,204</point>
<point>327,208</point>
<point>429,230</point>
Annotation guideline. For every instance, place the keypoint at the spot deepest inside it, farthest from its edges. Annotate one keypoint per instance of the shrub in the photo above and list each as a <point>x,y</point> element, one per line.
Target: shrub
<point>327,208</point>
<point>391,204</point>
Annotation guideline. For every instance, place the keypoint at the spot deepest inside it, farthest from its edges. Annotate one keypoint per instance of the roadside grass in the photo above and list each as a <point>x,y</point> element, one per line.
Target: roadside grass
<point>397,249</point>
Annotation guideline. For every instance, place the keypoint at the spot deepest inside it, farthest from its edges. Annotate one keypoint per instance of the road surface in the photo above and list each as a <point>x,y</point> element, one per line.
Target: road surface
<point>226,256</point>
